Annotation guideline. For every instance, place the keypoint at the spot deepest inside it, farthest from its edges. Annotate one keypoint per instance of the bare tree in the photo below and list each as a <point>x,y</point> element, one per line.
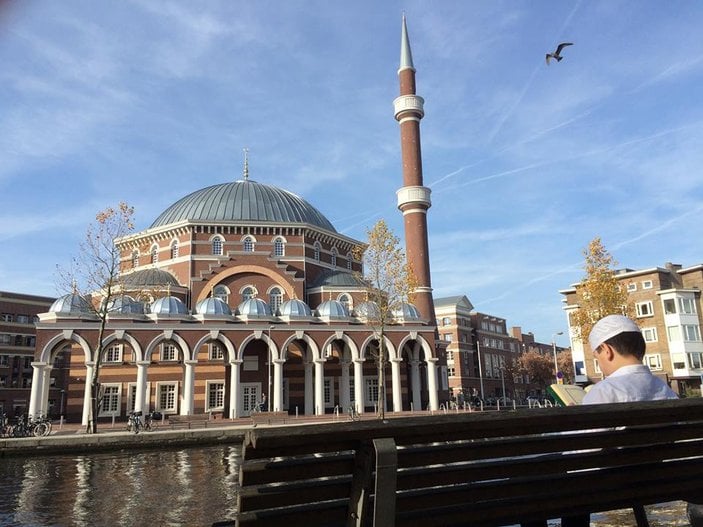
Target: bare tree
<point>95,275</point>
<point>389,281</point>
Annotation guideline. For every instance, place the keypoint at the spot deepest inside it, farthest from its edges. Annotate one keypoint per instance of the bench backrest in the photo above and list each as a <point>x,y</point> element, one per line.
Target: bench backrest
<point>490,468</point>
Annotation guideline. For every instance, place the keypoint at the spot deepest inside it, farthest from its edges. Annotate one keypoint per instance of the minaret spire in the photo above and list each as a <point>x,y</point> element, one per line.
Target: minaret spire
<point>246,164</point>
<point>413,197</point>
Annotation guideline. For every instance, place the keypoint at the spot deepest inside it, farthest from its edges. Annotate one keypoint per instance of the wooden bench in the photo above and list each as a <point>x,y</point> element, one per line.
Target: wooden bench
<point>188,421</point>
<point>478,469</point>
<point>270,418</point>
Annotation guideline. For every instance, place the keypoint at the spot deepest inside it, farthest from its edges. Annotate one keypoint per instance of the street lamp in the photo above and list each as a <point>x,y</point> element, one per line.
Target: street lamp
<point>554,349</point>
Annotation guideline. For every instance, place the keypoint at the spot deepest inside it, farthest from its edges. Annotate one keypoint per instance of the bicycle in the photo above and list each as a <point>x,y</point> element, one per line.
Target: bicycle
<point>41,426</point>
<point>150,421</point>
<point>22,428</point>
<point>134,422</point>
<point>353,413</point>
<point>5,426</point>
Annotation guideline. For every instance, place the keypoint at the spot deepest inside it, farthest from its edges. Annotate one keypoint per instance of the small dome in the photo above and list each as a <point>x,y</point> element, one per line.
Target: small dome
<point>294,308</point>
<point>169,305</point>
<point>213,306</point>
<point>71,304</point>
<point>331,309</point>
<point>367,310</point>
<point>125,305</point>
<point>254,307</point>
<point>146,278</point>
<point>407,312</point>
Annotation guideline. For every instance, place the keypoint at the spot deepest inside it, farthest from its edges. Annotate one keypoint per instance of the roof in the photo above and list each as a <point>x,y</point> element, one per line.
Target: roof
<point>243,201</point>
<point>457,300</point>
<point>338,279</point>
<point>149,278</point>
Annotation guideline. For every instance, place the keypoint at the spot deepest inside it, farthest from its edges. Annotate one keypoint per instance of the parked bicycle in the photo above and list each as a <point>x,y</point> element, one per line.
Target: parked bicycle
<point>5,426</point>
<point>134,422</point>
<point>41,426</point>
<point>353,413</point>
<point>149,423</point>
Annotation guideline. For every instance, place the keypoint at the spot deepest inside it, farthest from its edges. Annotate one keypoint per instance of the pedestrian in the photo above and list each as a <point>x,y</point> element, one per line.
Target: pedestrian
<point>619,347</point>
<point>262,404</point>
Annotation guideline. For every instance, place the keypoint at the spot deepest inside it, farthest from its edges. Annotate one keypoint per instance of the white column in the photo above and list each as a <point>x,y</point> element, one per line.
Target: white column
<point>344,401</point>
<point>234,388</point>
<point>140,396</point>
<point>37,392</point>
<point>309,389</point>
<point>395,380</point>
<point>46,384</point>
<point>415,382</point>
<point>359,385</point>
<point>319,386</point>
<point>89,366</point>
<point>188,382</point>
<point>278,385</point>
<point>432,383</point>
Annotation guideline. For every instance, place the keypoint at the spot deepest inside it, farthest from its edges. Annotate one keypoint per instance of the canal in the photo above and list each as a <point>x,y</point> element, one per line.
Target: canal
<point>177,487</point>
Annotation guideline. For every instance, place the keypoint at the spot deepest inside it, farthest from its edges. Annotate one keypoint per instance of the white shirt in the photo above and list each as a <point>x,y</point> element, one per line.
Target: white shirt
<point>628,384</point>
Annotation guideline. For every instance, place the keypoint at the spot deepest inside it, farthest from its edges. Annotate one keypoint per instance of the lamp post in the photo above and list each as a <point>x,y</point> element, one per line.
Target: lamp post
<point>268,397</point>
<point>554,349</point>
<point>480,372</point>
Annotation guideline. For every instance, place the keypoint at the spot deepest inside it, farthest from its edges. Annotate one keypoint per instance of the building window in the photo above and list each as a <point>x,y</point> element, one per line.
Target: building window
<point>154,252</point>
<point>678,360</point>
<point>333,258</point>
<point>4,360</point>
<point>248,292</point>
<point>649,334</point>
<point>647,284</point>
<point>7,317</point>
<point>644,309</point>
<point>691,333</point>
<point>166,394</point>
<point>135,259</point>
<point>279,249</point>
<point>215,395</point>
<point>371,390</point>
<point>450,371</point>
<point>688,306</point>
<point>447,337</point>
<point>349,261</point>
<point>217,246</point>
<point>168,352</point>
<point>110,403</point>
<point>345,300</point>
<point>23,319</point>
<point>174,249</point>
<point>669,306</point>
<point>694,360</point>
<point>221,292</point>
<point>327,392</point>
<point>653,361</point>
<point>317,249</point>
<point>673,333</point>
<point>216,352</point>
<point>248,243</point>
<point>596,367</point>
<point>631,287</point>
<point>113,353</point>
<point>275,298</point>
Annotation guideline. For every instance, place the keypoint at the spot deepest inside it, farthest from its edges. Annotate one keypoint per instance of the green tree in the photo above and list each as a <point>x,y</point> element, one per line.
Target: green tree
<point>600,292</point>
<point>389,281</point>
<point>95,275</point>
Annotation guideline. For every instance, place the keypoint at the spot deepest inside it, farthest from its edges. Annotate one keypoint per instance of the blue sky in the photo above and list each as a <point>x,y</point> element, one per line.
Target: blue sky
<point>147,101</point>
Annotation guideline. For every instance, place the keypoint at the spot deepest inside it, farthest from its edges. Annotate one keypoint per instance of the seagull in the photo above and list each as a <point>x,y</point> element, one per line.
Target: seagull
<point>556,55</point>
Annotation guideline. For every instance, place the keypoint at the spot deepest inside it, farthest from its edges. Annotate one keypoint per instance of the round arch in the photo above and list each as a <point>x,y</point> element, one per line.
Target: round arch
<point>256,269</point>
<point>314,349</point>
<point>219,337</point>
<point>258,335</point>
<point>70,336</point>
<point>126,337</point>
<point>389,345</point>
<point>424,345</point>
<point>168,335</point>
<point>353,349</point>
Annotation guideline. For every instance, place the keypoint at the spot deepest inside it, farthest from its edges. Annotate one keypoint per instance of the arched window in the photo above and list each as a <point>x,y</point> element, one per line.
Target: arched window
<point>333,260</point>
<point>346,301</point>
<point>279,249</point>
<point>349,261</point>
<point>135,259</point>
<point>217,246</point>
<point>248,244</point>
<point>275,298</point>
<point>317,249</point>
<point>174,249</point>
<point>221,292</point>
<point>248,292</point>
<point>154,253</point>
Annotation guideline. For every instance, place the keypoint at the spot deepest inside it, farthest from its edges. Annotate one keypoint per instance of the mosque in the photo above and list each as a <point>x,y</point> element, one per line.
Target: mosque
<point>243,289</point>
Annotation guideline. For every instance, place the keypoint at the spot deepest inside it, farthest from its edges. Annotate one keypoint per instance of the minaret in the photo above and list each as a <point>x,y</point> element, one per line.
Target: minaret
<point>413,197</point>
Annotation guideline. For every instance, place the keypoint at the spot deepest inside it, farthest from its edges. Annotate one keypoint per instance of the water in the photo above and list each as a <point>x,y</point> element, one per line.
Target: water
<point>170,488</point>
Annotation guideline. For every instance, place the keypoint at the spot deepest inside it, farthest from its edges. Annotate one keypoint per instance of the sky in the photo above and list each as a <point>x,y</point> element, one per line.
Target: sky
<point>148,101</point>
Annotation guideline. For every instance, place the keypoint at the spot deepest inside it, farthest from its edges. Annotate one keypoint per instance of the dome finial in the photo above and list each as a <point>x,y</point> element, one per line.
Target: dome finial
<point>246,164</point>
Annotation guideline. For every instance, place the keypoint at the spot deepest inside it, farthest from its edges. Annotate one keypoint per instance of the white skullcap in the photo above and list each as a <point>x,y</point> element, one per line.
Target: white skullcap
<point>608,327</point>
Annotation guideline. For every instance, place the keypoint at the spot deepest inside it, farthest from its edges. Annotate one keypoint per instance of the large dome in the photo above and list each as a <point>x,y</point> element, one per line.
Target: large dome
<point>243,201</point>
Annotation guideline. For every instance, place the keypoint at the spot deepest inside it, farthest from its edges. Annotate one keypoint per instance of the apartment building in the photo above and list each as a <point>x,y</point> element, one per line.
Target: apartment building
<point>668,310</point>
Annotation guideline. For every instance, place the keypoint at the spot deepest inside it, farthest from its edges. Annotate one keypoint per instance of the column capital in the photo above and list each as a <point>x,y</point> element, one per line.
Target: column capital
<point>396,360</point>
<point>39,364</point>
<point>190,362</point>
<point>143,363</point>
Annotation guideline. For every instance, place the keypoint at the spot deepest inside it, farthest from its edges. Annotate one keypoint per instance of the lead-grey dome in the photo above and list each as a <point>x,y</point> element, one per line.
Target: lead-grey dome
<point>169,305</point>
<point>70,304</point>
<point>331,309</point>
<point>125,305</point>
<point>294,308</point>
<point>213,306</point>
<point>149,278</point>
<point>254,307</point>
<point>243,201</point>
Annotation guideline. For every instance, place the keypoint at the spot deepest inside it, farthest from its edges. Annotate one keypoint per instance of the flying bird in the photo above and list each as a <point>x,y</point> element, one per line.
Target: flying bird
<point>557,54</point>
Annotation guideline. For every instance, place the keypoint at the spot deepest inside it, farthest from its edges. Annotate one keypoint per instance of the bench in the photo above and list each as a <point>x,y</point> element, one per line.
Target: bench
<point>188,421</point>
<point>269,418</point>
<point>478,469</point>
